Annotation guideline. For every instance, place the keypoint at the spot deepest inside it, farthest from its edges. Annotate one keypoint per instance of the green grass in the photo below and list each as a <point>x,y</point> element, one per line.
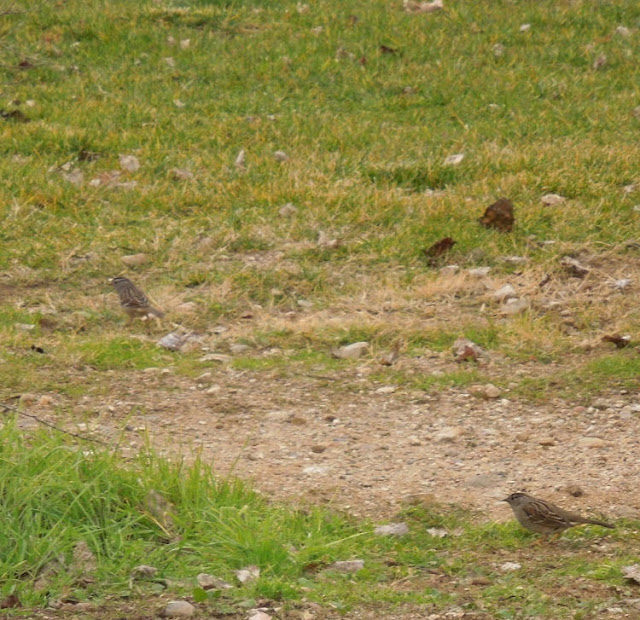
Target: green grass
<point>56,494</point>
<point>367,134</point>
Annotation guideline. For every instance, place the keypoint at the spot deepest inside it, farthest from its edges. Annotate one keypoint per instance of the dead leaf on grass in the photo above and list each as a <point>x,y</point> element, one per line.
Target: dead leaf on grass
<point>385,49</point>
<point>499,215</point>
<point>14,115</point>
<point>130,163</point>
<point>11,601</point>
<point>248,573</point>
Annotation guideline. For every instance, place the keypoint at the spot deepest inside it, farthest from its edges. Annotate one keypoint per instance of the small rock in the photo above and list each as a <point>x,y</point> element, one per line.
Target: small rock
<point>129,163</point>
<point>592,442</point>
<point>205,377</point>
<point>386,389</point>
<point>484,481</point>
<point>143,571</point>
<point>449,270</point>
<point>547,441</point>
<point>454,160</point>
<point>498,50</point>
<point>325,241</point>
<point>632,572</point>
<point>45,401</point>
<point>411,6</point>
<point>172,341</point>
<point>514,260</point>
<point>257,614</point>
<point>185,43</point>
<point>448,433</point>
<point>437,532</point>
<point>485,391</point>
<point>414,441</point>
<point>515,306</point>
<point>303,303</point>
<point>216,357</point>
<point>25,327</point>
<point>479,272</point>
<point>318,448</point>
<point>75,177</point>
<point>523,436</point>
<point>525,27</point>
<point>279,416</point>
<point>178,609</point>
<point>238,347</point>
<point>281,156</point>
<point>600,62</point>
<point>505,292</point>
<point>510,566</point>
<point>623,31</point>
<point>84,561</point>
<point>347,566</point>
<point>550,200</point>
<point>249,573</point>
<point>287,210</point>
<point>392,529</point>
<point>351,351</point>
<point>135,260</point>
<point>209,582</point>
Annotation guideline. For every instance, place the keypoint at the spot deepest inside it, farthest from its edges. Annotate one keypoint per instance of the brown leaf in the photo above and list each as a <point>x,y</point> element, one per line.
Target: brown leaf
<point>25,64</point>
<point>363,60</point>
<point>499,215</point>
<point>384,49</point>
<point>11,601</point>
<point>438,249</point>
<point>620,341</point>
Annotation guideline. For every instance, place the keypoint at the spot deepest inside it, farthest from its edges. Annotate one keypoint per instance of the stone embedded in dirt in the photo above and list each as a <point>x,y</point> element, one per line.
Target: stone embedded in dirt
<point>592,442</point>
<point>45,401</point>
<point>248,573</point>
<point>351,351</point>
<point>178,609</point>
<point>315,469</point>
<point>238,347</point>
<point>414,441</point>
<point>135,260</point>
<point>205,377</point>
<point>484,481</point>
<point>479,272</point>
<point>287,210</point>
<point>347,566</point>
<point>143,571</point>
<point>216,357</point>
<point>485,391</point>
<point>27,399</point>
<point>505,292</point>
<point>258,614</point>
<point>525,28</point>
<point>325,241</point>
<point>437,532</point>
<point>209,582</point>
<point>281,156</point>
<point>514,260</point>
<point>279,416</point>
<point>550,200</point>
<point>318,448</point>
<point>448,433</point>
<point>631,572</point>
<point>547,441</point>
<point>392,529</point>
<point>130,163</point>
<point>465,350</point>
<point>524,436</point>
<point>510,566</point>
<point>386,389</point>
<point>515,306</point>
<point>573,267</point>
<point>448,270</point>
<point>172,341</point>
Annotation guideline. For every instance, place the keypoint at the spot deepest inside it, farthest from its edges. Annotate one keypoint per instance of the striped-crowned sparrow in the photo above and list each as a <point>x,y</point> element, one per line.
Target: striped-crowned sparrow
<point>133,301</point>
<point>543,517</point>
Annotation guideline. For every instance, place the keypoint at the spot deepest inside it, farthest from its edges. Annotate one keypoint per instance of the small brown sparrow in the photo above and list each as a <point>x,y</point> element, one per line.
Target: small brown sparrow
<point>133,301</point>
<point>542,517</point>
